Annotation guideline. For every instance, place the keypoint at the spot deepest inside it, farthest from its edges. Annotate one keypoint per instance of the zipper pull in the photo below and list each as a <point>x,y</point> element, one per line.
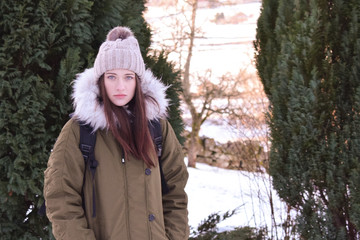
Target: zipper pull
<point>122,156</point>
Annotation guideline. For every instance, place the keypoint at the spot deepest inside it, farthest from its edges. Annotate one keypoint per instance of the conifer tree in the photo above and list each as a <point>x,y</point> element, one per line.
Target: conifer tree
<point>43,44</point>
<point>166,72</point>
<point>38,59</point>
<point>308,60</point>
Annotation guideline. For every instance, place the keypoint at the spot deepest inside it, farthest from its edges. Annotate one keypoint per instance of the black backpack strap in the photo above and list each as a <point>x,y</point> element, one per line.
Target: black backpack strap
<point>156,134</point>
<point>87,147</point>
<point>42,209</point>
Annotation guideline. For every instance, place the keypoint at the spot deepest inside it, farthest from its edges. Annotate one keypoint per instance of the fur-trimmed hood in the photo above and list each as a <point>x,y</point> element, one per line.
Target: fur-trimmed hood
<point>88,109</point>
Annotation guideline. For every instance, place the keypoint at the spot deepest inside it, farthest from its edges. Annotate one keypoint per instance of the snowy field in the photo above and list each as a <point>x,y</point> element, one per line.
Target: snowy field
<point>215,190</point>
<point>223,48</point>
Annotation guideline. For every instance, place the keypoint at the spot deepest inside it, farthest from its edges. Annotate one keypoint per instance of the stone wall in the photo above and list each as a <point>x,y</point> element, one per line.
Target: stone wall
<point>242,155</point>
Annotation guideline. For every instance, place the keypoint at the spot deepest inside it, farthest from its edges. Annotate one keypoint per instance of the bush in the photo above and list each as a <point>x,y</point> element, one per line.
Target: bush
<point>207,230</point>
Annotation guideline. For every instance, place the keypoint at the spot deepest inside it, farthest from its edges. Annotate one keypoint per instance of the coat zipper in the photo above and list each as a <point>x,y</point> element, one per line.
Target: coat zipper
<point>126,193</point>
<point>147,207</point>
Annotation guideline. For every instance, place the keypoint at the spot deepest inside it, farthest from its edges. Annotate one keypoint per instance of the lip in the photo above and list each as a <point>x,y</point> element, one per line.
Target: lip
<point>120,95</point>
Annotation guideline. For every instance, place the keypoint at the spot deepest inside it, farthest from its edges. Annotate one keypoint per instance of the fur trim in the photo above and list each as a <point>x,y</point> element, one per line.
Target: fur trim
<point>153,89</point>
<point>88,109</point>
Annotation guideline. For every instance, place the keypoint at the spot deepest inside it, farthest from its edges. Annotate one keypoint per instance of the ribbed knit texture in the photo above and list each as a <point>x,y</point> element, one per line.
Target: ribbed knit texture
<point>120,50</point>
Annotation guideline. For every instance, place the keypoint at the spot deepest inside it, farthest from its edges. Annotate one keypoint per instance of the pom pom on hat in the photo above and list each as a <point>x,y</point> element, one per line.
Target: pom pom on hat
<point>120,50</point>
<point>119,33</point>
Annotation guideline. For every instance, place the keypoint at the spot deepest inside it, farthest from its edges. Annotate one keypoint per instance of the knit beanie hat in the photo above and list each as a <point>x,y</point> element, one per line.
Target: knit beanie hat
<point>120,50</point>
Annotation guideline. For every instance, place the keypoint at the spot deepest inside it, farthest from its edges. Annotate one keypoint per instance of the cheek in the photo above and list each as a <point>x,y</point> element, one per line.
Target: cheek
<point>108,86</point>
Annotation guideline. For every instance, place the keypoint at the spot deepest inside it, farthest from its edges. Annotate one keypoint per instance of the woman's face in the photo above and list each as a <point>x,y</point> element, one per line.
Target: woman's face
<point>120,86</point>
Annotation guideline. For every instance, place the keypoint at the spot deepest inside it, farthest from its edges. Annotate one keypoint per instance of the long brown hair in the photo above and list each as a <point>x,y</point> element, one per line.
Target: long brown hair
<point>129,124</point>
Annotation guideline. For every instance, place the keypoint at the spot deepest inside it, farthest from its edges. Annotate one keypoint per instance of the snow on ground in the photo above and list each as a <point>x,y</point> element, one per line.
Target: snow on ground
<point>215,190</point>
<point>223,48</point>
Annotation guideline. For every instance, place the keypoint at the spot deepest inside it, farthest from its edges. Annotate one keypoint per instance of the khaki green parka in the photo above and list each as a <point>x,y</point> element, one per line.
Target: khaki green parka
<point>128,199</point>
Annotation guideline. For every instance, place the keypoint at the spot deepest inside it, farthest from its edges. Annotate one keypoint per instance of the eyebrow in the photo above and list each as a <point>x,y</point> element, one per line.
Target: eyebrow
<point>127,74</point>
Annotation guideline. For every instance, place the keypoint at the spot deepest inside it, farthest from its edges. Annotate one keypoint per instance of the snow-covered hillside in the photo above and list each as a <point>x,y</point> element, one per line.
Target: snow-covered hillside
<point>222,47</point>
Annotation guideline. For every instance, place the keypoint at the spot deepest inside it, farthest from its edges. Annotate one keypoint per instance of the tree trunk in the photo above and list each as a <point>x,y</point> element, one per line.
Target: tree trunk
<point>194,136</point>
<point>192,153</point>
<point>194,144</point>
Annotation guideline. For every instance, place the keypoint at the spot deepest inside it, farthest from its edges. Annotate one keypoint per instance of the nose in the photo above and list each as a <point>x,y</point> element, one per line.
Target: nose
<point>120,85</point>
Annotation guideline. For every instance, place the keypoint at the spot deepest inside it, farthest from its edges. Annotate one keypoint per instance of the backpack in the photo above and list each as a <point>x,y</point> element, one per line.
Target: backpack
<point>87,146</point>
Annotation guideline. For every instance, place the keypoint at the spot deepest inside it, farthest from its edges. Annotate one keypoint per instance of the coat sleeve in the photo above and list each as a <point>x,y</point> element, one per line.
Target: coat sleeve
<point>176,176</point>
<point>63,185</point>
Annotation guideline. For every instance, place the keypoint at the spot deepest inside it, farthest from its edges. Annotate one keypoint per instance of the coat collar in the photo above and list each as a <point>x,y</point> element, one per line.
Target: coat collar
<point>88,109</point>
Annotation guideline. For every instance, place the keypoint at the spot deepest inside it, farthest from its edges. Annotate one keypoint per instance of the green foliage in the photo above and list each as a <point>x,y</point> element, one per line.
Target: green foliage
<point>110,13</point>
<point>38,59</point>
<point>243,233</point>
<point>210,223</point>
<point>207,230</point>
<point>43,44</point>
<point>165,71</point>
<point>307,56</point>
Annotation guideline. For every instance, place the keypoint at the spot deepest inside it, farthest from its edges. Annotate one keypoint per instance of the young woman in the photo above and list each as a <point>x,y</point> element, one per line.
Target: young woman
<point>117,98</point>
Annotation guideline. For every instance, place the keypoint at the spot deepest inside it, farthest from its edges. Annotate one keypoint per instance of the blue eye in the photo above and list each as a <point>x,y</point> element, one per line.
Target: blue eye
<point>111,77</point>
<point>129,77</point>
